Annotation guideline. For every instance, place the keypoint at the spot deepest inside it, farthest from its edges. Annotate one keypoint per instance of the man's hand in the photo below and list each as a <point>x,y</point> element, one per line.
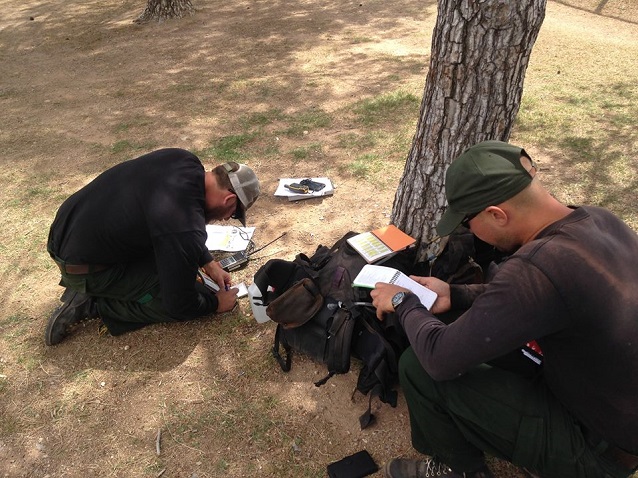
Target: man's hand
<point>382,297</point>
<point>226,300</point>
<point>219,275</point>
<point>443,302</point>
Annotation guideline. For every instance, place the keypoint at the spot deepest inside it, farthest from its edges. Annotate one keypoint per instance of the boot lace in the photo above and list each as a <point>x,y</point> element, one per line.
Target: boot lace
<point>434,468</point>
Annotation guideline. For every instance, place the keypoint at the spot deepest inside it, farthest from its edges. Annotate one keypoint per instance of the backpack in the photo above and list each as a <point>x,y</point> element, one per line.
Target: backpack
<point>344,326</point>
<point>320,314</point>
<point>462,258</point>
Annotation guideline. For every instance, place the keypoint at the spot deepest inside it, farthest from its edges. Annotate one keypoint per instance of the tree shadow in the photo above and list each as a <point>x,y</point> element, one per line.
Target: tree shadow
<point>256,53</point>
<point>600,163</point>
<point>604,9</point>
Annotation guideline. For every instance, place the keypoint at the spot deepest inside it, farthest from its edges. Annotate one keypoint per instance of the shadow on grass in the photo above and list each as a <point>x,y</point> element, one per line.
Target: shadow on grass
<point>602,161</point>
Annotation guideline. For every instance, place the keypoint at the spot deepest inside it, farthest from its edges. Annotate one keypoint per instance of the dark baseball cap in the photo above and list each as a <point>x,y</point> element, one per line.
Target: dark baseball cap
<point>245,186</point>
<point>486,174</point>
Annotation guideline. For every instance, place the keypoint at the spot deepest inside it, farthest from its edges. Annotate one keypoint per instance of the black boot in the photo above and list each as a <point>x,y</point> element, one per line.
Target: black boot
<point>428,468</point>
<point>76,307</point>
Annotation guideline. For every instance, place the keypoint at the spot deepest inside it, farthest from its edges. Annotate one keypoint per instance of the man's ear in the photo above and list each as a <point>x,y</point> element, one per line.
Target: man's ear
<point>228,196</point>
<point>498,215</point>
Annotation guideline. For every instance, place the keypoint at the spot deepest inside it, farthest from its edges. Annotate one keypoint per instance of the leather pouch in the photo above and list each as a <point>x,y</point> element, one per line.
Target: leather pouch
<point>297,305</point>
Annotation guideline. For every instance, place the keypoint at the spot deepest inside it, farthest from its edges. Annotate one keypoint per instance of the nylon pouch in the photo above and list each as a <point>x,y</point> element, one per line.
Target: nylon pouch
<point>326,338</point>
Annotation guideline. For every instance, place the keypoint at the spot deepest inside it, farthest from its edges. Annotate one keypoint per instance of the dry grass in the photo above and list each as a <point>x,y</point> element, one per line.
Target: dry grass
<point>309,88</point>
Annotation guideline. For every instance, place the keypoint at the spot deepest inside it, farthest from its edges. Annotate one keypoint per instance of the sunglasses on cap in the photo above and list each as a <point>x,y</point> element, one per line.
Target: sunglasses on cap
<point>466,220</point>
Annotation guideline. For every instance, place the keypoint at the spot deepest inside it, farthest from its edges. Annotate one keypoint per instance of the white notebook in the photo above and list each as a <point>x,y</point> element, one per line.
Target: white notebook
<point>371,274</point>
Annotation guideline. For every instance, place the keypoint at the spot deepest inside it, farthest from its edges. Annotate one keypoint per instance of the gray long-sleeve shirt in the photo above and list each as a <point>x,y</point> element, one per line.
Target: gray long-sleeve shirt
<point>574,289</point>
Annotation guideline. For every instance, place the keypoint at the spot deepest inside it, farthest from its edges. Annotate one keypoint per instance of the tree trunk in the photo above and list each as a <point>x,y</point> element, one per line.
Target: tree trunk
<point>480,51</point>
<point>160,10</point>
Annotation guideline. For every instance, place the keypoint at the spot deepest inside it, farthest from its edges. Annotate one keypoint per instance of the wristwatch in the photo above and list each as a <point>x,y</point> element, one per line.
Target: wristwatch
<point>398,298</point>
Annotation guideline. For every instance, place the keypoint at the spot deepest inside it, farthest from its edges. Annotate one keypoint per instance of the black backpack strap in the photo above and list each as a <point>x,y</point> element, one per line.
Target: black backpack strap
<point>321,382</point>
<point>381,370</point>
<point>379,390</point>
<point>339,341</point>
<point>284,364</point>
<point>392,358</point>
<point>322,254</point>
<point>303,260</point>
<point>368,417</point>
<point>339,344</point>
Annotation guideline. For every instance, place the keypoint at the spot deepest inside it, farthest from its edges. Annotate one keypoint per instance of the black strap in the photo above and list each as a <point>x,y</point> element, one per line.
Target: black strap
<point>337,341</point>
<point>303,260</point>
<point>321,382</point>
<point>285,365</point>
<point>380,390</point>
<point>368,418</point>
<point>390,351</point>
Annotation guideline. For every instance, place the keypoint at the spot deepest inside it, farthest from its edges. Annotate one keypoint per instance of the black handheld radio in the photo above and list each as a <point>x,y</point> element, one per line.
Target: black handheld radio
<point>240,259</point>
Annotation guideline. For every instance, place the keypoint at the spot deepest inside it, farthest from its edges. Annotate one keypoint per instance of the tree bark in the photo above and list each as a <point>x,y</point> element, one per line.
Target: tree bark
<point>160,10</point>
<point>473,89</point>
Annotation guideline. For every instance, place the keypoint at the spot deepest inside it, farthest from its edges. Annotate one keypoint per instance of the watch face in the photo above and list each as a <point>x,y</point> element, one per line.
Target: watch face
<point>397,299</point>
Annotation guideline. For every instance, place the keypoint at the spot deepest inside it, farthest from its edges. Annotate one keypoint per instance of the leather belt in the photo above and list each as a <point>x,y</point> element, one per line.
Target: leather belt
<point>620,456</point>
<point>81,268</point>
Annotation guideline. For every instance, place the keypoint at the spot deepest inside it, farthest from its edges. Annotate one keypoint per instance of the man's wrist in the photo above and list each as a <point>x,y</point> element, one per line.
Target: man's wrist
<point>399,298</point>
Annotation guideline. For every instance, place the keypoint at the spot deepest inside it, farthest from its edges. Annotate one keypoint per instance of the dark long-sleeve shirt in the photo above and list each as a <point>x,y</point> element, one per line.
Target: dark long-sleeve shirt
<point>149,207</point>
<point>574,289</point>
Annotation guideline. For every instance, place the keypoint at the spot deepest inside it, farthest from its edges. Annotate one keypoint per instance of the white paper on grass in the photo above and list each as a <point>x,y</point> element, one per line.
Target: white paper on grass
<point>282,191</point>
<point>228,238</point>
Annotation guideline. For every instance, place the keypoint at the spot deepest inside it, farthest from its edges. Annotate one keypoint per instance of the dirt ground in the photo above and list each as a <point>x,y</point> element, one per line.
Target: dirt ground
<point>83,88</point>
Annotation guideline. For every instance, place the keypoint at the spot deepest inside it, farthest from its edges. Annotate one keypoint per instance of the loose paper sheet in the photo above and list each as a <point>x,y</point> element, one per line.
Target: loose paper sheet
<point>228,238</point>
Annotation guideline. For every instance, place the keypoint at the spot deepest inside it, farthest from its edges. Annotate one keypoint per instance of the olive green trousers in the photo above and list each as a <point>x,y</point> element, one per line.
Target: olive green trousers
<point>503,414</point>
<point>128,296</point>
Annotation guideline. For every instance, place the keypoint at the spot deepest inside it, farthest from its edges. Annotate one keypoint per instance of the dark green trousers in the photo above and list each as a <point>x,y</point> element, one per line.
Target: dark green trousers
<point>493,411</point>
<point>128,296</point>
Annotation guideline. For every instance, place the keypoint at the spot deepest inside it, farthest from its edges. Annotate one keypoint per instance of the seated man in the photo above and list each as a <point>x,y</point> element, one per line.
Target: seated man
<point>571,285</point>
<point>130,243</point>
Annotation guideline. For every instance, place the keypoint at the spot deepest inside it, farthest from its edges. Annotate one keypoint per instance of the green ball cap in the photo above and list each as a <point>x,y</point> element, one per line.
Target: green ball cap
<point>486,174</point>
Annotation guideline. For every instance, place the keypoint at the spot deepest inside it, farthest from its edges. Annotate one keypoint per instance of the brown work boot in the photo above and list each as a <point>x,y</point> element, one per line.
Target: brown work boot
<point>75,308</point>
<point>428,468</point>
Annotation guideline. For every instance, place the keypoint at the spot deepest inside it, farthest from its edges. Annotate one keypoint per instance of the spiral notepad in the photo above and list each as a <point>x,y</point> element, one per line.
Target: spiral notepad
<point>371,274</point>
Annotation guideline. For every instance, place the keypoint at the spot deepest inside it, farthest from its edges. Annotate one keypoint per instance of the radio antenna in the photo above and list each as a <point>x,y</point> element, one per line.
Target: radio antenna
<point>263,247</point>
